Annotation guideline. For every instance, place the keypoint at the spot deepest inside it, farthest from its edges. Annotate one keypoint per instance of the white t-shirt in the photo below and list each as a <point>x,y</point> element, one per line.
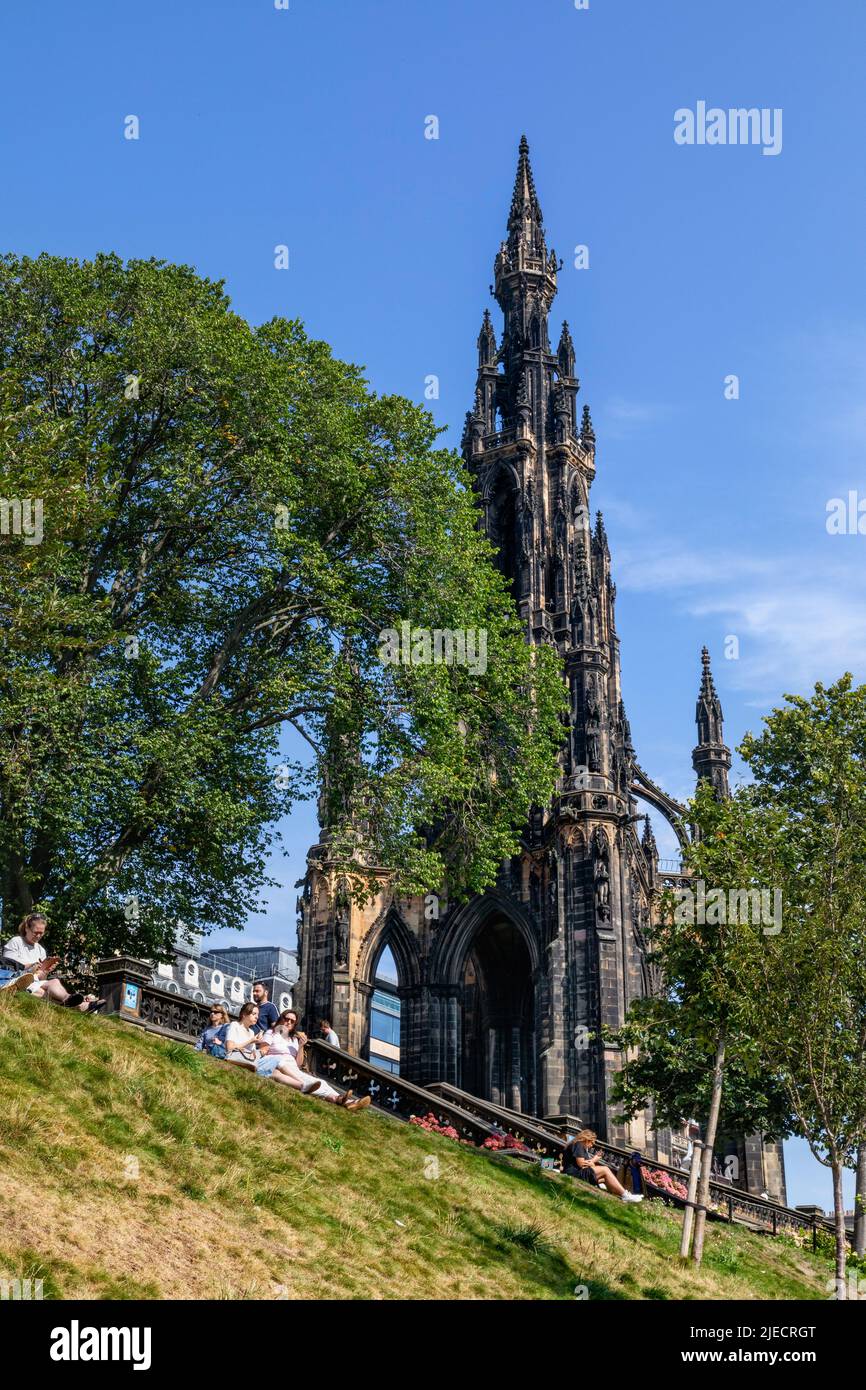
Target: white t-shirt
<point>21,956</point>
<point>237,1033</point>
<point>280,1044</point>
<point>331,1037</point>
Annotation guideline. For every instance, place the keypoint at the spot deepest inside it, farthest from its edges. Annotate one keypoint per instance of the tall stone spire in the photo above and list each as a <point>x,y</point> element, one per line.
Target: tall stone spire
<point>524,275</point>
<point>525,223</point>
<point>711,758</point>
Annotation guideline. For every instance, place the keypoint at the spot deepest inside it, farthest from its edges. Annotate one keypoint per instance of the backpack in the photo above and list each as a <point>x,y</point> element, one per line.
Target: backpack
<point>218,1045</point>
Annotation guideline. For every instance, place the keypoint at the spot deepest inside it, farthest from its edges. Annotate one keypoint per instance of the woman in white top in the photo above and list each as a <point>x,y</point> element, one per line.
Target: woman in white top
<point>287,1045</point>
<point>25,953</point>
<point>241,1043</point>
<point>279,1061</point>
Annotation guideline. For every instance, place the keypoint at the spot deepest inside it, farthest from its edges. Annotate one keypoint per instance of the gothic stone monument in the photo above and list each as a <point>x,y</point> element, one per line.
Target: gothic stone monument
<point>500,994</point>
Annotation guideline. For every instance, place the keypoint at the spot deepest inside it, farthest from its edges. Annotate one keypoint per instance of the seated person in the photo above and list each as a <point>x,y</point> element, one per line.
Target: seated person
<point>25,954</point>
<point>219,1016</point>
<point>284,1060</point>
<point>268,1012</point>
<point>328,1033</point>
<point>241,1044</point>
<point>580,1161</point>
<point>279,1063</point>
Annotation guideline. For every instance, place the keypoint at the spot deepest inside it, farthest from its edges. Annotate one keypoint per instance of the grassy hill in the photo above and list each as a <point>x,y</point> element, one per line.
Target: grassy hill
<point>131,1167</point>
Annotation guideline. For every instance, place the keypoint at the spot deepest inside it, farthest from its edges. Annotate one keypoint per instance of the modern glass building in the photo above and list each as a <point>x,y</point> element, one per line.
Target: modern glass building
<point>385,1016</point>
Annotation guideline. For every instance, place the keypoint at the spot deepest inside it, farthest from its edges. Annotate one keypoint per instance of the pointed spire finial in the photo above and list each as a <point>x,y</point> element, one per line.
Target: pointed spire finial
<point>524,219</point>
<point>711,759</point>
<point>486,341</point>
<point>565,351</point>
<point>587,433</point>
<point>708,686</point>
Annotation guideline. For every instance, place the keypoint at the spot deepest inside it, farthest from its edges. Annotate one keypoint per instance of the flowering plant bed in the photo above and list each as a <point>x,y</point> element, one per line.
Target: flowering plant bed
<point>670,1189</point>
<point>666,1185</point>
<point>499,1143</point>
<point>496,1143</point>
<point>434,1126</point>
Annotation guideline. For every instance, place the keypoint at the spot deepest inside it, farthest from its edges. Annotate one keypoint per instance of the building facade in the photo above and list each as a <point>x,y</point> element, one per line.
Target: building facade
<point>505,995</point>
<point>228,975</point>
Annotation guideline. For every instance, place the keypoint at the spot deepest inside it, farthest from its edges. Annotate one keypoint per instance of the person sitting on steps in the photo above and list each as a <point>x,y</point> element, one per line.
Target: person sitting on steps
<point>581,1161</point>
<point>25,954</point>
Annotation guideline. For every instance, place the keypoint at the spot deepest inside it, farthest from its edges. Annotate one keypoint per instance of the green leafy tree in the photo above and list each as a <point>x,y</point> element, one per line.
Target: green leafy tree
<point>670,1068</point>
<point>805,989</point>
<point>690,1050</point>
<point>230,520</point>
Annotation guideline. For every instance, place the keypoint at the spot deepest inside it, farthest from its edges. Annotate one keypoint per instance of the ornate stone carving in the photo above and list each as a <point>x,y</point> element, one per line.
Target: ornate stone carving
<point>601,874</point>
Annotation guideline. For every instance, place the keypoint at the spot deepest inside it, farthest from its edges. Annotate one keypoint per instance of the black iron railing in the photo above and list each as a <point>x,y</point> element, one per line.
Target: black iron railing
<point>392,1094</point>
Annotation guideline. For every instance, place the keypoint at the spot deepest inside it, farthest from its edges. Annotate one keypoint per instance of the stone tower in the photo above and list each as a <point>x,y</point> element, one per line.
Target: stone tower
<point>505,995</point>
<point>711,759</point>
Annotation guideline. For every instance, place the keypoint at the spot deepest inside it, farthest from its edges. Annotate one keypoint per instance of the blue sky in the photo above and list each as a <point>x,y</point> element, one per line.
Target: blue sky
<point>305,127</point>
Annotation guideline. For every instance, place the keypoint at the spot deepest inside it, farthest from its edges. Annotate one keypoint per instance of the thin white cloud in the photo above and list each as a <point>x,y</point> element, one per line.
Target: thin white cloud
<point>798,619</point>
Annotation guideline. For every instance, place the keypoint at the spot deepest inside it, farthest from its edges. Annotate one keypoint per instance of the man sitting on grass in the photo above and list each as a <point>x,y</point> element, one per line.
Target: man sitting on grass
<point>25,955</point>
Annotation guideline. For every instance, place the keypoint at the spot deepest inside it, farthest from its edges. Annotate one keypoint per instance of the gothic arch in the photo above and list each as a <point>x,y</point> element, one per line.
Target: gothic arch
<point>485,979</point>
<point>502,477</point>
<point>389,929</point>
<point>454,943</point>
<point>673,811</point>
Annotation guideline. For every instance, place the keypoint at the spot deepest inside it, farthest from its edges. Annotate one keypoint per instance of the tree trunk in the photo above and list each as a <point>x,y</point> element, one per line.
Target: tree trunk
<point>689,1212</point>
<point>860,1204</point>
<point>709,1142</point>
<point>839,1221</point>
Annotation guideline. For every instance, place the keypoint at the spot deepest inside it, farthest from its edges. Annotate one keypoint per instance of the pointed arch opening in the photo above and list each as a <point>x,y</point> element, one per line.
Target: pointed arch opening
<point>388,981</point>
<point>504,529</point>
<point>383,1038</point>
<point>498,1048</point>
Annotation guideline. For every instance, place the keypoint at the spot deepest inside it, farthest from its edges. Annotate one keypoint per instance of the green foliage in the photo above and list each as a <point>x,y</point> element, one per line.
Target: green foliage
<point>671,1039</point>
<point>231,518</point>
<point>526,1237</point>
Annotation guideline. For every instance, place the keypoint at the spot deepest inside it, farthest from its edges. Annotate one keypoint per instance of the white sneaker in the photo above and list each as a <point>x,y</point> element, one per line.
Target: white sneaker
<point>631,1197</point>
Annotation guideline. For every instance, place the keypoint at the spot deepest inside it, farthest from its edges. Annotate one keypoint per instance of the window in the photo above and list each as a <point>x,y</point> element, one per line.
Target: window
<point>384,1028</point>
<point>384,1043</point>
<point>386,1063</point>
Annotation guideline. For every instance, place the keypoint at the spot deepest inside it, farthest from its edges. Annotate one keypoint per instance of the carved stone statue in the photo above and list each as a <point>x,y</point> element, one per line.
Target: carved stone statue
<point>341,923</point>
<point>601,875</point>
<point>299,908</point>
<point>534,891</point>
<point>592,727</point>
